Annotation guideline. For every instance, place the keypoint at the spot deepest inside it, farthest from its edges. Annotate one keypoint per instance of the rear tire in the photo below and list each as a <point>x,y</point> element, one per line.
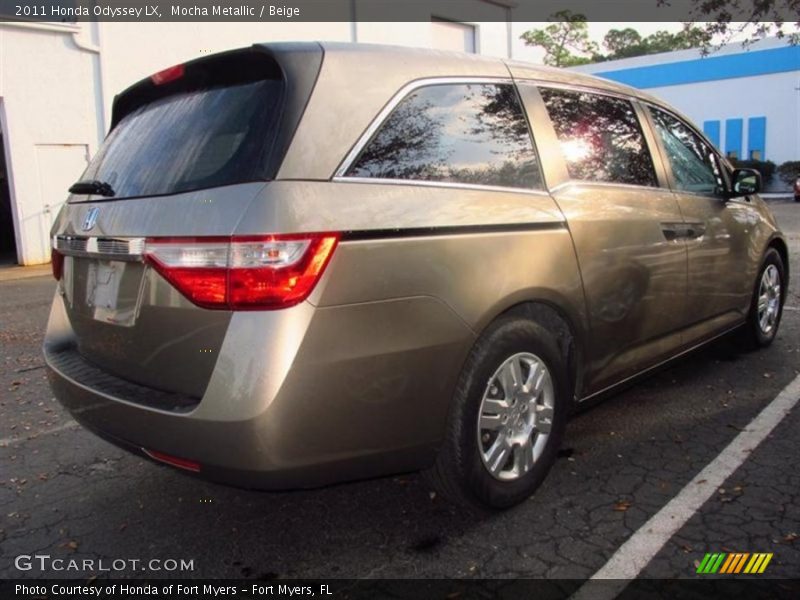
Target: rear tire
<point>507,419</point>
<point>766,307</point>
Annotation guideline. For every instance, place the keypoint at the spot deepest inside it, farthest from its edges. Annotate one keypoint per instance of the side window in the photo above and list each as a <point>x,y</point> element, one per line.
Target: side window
<point>460,133</point>
<point>695,167</point>
<point>600,137</point>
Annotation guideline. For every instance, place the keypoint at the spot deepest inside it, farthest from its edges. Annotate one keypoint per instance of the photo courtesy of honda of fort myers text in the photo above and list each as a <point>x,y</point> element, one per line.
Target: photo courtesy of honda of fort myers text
<point>171,590</point>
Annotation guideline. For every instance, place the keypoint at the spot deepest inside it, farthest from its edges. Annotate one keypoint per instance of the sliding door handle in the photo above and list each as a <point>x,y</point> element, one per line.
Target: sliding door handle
<point>672,231</point>
<point>682,231</point>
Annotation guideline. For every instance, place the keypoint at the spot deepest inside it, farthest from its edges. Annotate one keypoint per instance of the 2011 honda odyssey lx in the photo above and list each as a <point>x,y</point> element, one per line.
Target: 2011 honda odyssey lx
<point>296,264</point>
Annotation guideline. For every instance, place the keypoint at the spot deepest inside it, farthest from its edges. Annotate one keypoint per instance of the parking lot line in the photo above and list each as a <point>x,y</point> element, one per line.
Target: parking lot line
<point>13,441</point>
<point>636,553</point>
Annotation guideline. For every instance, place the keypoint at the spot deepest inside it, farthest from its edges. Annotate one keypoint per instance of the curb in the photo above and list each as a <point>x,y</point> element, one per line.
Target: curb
<point>16,272</point>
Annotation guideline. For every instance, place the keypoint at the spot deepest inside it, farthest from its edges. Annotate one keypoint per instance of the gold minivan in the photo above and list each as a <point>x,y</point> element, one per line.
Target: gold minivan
<point>296,264</point>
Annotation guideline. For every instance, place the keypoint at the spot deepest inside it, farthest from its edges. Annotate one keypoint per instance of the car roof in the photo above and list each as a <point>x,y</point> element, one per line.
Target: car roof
<point>424,63</point>
<point>357,80</point>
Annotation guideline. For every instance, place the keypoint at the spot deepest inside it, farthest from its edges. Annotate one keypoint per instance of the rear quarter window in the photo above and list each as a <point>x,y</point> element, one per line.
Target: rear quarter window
<point>458,133</point>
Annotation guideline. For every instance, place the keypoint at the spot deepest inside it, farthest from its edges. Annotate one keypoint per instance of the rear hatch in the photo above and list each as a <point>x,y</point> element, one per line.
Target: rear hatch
<point>189,150</point>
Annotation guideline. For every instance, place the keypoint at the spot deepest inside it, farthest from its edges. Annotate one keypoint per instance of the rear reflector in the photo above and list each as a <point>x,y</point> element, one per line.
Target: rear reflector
<point>57,263</point>
<point>167,75</point>
<point>181,463</point>
<point>243,273</point>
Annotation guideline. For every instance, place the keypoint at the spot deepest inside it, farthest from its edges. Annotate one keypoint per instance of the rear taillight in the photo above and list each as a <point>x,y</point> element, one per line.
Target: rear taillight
<point>57,263</point>
<point>243,273</point>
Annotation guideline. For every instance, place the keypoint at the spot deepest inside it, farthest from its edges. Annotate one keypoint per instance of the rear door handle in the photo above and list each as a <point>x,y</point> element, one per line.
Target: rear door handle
<point>694,230</point>
<point>672,231</point>
<point>682,231</point>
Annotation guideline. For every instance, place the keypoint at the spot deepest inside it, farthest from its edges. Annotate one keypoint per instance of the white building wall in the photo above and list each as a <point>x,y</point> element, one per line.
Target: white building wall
<point>49,117</point>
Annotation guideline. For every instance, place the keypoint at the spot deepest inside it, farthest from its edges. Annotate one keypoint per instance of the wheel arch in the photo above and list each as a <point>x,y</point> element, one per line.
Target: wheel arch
<point>564,325</point>
<point>779,244</point>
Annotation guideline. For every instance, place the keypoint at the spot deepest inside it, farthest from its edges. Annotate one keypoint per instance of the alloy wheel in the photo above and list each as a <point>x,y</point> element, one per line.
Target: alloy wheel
<point>515,416</point>
<point>769,299</point>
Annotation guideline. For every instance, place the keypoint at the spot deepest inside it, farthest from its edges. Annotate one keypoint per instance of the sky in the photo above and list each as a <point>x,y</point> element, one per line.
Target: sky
<point>597,32</point>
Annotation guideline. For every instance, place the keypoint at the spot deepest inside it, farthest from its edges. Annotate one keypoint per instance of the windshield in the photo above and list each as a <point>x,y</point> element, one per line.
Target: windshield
<point>191,140</point>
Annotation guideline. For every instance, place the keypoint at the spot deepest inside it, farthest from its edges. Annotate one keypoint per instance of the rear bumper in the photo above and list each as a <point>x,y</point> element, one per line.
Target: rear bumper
<point>298,398</point>
<point>213,444</point>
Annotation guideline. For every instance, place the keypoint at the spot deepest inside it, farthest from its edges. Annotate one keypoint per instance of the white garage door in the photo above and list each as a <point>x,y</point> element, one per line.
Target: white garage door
<point>447,35</point>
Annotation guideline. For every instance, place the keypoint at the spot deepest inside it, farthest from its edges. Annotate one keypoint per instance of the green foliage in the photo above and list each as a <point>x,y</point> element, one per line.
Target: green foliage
<point>765,167</point>
<point>789,171</point>
<point>723,20</point>
<point>626,43</point>
<point>623,43</point>
<point>565,41</point>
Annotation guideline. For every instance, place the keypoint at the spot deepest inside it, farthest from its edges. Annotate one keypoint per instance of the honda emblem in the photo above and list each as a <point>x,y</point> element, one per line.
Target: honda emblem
<point>91,218</point>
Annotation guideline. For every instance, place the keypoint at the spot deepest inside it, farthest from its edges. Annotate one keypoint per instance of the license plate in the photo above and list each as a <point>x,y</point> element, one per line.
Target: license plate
<point>103,294</point>
<point>102,284</point>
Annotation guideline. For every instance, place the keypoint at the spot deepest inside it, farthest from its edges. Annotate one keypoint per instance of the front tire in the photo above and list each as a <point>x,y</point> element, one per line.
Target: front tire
<point>507,420</point>
<point>766,307</point>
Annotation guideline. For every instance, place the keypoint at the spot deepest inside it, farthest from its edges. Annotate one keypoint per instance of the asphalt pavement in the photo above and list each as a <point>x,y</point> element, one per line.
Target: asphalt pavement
<point>67,494</point>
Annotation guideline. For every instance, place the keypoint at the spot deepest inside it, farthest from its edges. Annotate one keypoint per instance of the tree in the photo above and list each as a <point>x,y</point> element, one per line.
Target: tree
<point>691,37</point>
<point>626,43</point>
<point>568,33</point>
<point>755,19</point>
<point>566,40</point>
<point>663,41</point>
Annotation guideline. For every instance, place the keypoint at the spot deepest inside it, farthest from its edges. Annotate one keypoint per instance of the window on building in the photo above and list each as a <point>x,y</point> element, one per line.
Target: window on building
<point>600,136</point>
<point>756,137</point>
<point>733,138</point>
<point>694,165</point>
<point>712,130</point>
<point>451,35</point>
<point>460,133</point>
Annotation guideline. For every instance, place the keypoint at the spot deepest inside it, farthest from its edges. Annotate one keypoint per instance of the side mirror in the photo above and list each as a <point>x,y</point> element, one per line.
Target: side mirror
<point>746,182</point>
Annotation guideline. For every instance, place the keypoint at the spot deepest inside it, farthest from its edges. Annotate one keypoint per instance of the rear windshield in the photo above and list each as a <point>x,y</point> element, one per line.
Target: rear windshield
<point>191,140</point>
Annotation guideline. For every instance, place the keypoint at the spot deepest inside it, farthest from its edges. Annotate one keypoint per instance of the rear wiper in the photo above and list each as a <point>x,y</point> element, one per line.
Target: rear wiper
<point>94,186</point>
